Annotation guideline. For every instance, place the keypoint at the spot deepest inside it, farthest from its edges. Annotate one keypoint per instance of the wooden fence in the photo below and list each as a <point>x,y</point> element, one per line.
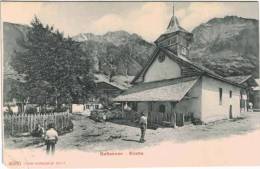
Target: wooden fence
<point>171,119</point>
<point>24,123</point>
<point>162,118</point>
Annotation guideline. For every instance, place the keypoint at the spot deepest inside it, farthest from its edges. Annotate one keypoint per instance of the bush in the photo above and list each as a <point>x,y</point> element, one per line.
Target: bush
<point>61,109</point>
<point>105,115</point>
<point>30,110</point>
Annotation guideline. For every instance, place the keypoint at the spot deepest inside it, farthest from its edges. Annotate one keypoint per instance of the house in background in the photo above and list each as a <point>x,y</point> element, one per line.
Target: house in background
<point>247,93</point>
<point>170,85</point>
<point>256,96</point>
<point>106,90</point>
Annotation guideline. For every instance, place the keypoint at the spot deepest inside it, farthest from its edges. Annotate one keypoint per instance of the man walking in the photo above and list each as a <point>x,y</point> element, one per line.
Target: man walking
<point>143,126</point>
<point>51,139</point>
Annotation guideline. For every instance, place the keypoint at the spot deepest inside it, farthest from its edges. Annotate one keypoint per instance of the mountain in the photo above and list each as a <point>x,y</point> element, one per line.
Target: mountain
<point>117,38</point>
<point>116,53</point>
<point>12,34</point>
<point>229,45</point>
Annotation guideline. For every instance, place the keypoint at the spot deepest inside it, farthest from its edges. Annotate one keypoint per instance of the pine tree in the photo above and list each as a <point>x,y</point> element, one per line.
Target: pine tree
<point>53,66</point>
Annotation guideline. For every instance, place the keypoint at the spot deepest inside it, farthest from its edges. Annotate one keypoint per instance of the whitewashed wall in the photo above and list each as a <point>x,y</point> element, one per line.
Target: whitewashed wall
<point>211,109</point>
<point>77,108</point>
<point>162,70</point>
<point>193,104</point>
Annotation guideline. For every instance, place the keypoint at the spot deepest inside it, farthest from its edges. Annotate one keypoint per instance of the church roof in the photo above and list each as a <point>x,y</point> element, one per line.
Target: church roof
<point>174,57</point>
<point>192,64</point>
<point>173,27</point>
<point>242,79</point>
<point>238,79</point>
<point>199,68</point>
<point>159,90</point>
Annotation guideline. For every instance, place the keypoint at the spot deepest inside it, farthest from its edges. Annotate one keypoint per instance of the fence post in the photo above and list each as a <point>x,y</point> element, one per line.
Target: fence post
<point>55,123</point>
<point>174,121</point>
<point>22,121</point>
<point>18,123</point>
<point>183,119</point>
<point>31,123</point>
<point>62,120</point>
<point>66,119</point>
<point>12,126</point>
<point>34,121</point>
<point>43,120</point>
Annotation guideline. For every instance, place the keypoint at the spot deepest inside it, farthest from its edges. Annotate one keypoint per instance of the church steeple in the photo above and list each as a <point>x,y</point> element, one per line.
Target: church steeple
<point>175,37</point>
<point>172,9</point>
<point>174,23</point>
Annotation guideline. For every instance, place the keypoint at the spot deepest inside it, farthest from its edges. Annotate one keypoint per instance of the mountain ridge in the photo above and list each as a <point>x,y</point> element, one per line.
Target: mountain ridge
<point>228,46</point>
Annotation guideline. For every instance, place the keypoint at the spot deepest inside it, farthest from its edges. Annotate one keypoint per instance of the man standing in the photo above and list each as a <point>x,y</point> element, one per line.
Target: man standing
<point>250,106</point>
<point>51,139</point>
<point>143,126</point>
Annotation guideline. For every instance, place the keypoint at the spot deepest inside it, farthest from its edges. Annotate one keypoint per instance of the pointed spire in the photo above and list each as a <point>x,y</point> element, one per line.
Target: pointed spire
<point>173,9</point>
<point>174,23</point>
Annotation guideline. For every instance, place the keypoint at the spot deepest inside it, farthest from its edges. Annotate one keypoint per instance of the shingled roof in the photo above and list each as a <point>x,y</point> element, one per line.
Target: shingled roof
<point>192,64</point>
<point>238,79</point>
<point>242,79</point>
<point>174,26</point>
<point>199,68</point>
<point>159,90</point>
<point>174,57</point>
<point>102,78</point>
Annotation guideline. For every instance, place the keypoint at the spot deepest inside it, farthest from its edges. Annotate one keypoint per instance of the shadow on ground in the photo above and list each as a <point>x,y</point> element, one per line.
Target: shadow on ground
<point>131,140</point>
<point>89,135</point>
<point>135,124</point>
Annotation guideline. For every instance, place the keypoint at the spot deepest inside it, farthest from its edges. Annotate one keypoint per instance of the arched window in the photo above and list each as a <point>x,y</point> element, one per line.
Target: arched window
<point>162,108</point>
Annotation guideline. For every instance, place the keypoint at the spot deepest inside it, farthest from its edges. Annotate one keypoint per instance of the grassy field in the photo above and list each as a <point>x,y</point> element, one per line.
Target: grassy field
<point>89,135</point>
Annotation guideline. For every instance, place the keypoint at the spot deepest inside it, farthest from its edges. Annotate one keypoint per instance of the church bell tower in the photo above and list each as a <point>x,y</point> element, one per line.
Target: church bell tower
<point>175,38</point>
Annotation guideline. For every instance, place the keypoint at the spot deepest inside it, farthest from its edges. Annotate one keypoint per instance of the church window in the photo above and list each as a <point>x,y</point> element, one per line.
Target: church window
<point>220,96</point>
<point>161,58</point>
<point>183,51</point>
<point>170,42</point>
<point>230,94</point>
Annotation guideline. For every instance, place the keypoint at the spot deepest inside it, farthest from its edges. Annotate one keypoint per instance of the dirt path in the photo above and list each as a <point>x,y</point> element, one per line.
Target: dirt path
<point>89,135</point>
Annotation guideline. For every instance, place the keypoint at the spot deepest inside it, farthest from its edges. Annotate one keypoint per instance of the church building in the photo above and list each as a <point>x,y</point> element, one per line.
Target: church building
<point>170,86</point>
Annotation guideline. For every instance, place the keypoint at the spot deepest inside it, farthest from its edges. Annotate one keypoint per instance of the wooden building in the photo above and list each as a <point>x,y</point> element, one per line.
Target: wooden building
<point>171,86</point>
<point>256,96</point>
<point>106,90</point>
<point>247,93</point>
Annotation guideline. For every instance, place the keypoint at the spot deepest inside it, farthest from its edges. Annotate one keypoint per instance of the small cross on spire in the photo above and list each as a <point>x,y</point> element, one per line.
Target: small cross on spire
<point>173,9</point>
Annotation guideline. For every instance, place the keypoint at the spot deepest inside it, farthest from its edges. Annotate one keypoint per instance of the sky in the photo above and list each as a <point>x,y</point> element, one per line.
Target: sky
<point>148,19</point>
